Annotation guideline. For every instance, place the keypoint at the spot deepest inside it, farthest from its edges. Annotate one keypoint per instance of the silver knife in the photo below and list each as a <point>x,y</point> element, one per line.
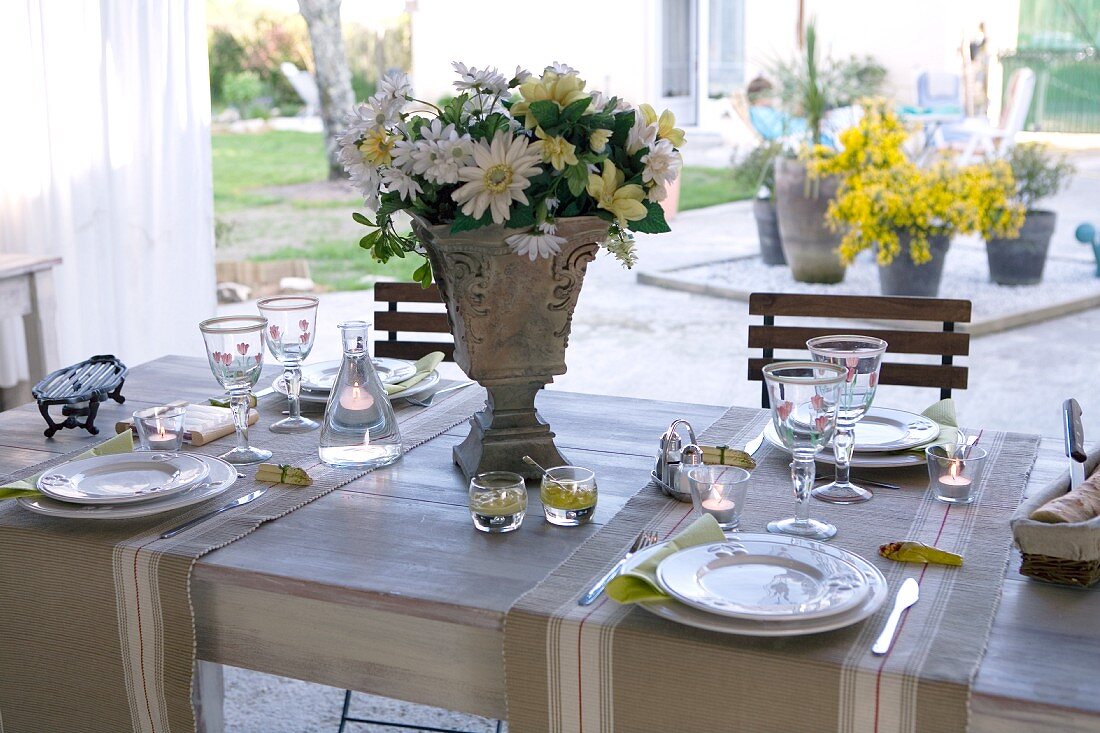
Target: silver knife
<point>1075,442</point>
<point>754,445</point>
<point>907,596</point>
<point>252,496</point>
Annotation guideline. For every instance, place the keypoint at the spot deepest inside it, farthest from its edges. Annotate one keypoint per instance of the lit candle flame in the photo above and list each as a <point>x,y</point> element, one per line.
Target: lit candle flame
<point>956,466</point>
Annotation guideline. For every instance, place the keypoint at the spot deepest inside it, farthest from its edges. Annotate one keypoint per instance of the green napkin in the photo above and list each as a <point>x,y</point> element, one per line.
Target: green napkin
<point>121,443</point>
<point>943,414</point>
<point>640,584</point>
<point>424,366</point>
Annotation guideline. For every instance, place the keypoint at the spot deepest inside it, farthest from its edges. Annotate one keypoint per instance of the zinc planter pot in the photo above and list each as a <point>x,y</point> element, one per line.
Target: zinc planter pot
<point>800,204</point>
<point>767,227</point>
<point>903,277</point>
<point>1020,261</point>
<point>510,318</point>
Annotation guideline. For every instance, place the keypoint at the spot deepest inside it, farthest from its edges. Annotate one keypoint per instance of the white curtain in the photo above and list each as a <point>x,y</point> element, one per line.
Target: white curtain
<point>105,161</point>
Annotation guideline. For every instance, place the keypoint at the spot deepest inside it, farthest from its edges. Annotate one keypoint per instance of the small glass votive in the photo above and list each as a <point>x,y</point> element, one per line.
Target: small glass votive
<point>498,501</point>
<point>954,472</point>
<point>568,495</point>
<point>160,428</point>
<point>720,492</point>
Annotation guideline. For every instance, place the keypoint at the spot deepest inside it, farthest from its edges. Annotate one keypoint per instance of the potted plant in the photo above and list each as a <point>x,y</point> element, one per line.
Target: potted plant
<point>1039,174</point>
<point>887,202</point>
<point>757,170</point>
<point>513,186</point>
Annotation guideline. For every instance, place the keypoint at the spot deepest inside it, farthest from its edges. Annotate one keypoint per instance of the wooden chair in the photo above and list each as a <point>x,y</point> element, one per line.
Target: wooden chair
<point>945,343</point>
<point>394,321</point>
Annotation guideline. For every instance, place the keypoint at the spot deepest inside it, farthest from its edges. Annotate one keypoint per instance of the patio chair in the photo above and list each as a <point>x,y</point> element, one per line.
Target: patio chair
<point>345,718</point>
<point>978,137</point>
<point>945,343</point>
<point>306,87</point>
<point>429,316</point>
<point>939,90</point>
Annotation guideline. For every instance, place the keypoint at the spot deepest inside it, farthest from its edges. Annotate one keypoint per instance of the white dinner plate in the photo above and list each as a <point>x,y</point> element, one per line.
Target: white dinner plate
<point>883,430</point>
<point>673,610</point>
<point>220,477</point>
<point>420,387</point>
<point>860,459</point>
<point>321,376</point>
<point>123,478</point>
<point>764,577</point>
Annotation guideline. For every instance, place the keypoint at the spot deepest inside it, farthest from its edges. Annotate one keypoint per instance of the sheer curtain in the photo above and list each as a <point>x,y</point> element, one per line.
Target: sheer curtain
<point>105,161</point>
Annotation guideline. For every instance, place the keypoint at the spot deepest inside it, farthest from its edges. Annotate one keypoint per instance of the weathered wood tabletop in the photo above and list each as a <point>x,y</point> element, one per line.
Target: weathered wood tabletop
<point>384,586</point>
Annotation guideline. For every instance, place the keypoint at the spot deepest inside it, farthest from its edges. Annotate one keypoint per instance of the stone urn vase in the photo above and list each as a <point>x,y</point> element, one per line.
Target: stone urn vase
<point>903,277</point>
<point>510,317</point>
<point>1021,260</point>
<point>809,246</point>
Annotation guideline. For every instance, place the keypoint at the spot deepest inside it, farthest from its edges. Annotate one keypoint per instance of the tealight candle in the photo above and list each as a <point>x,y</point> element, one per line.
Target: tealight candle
<point>724,510</point>
<point>160,428</point>
<point>163,440</point>
<point>356,397</point>
<point>952,478</point>
<point>720,492</point>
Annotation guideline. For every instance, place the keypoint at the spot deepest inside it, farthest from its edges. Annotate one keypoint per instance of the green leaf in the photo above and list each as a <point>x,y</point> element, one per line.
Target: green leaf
<point>653,223</point>
<point>423,274</point>
<point>546,113</point>
<point>573,112</point>
<point>465,223</point>
<point>623,122</point>
<point>362,219</point>
<point>390,205</point>
<point>522,217</point>
<point>369,241</point>
<point>576,176</point>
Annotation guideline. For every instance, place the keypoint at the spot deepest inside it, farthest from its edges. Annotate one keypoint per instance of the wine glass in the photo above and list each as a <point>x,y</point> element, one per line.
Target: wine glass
<point>861,358</point>
<point>804,397</point>
<point>235,350</point>
<point>291,323</point>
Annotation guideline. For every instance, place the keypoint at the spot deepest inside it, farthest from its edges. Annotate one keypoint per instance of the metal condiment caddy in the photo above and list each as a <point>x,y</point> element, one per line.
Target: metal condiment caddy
<point>676,459</point>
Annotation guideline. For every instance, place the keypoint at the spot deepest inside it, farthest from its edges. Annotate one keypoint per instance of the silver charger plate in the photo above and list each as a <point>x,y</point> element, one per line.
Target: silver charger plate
<point>884,430</point>
<point>221,476</point>
<point>321,376</point>
<point>424,385</point>
<point>764,577</point>
<point>900,457</point>
<point>673,610</point>
<point>123,478</point>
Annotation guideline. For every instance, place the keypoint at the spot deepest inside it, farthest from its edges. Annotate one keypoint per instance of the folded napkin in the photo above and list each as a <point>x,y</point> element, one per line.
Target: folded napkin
<point>640,584</point>
<point>424,366</point>
<point>943,414</point>
<point>121,443</point>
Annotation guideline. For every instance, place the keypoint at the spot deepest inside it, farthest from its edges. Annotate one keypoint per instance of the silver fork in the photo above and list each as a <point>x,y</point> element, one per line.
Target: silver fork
<point>644,539</point>
<point>427,401</point>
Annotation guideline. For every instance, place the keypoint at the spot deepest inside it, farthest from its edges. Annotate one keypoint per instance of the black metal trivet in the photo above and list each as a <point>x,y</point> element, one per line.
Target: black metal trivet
<point>79,389</point>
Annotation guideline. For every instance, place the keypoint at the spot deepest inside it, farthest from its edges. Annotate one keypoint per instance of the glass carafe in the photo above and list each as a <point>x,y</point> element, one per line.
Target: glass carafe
<point>360,429</point>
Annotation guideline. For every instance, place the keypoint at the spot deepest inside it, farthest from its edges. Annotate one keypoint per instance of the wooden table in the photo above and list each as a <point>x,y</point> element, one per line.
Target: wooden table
<point>26,289</point>
<point>383,586</point>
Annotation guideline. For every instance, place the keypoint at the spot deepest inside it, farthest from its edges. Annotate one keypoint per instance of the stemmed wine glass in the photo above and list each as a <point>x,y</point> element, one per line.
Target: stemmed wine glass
<point>804,396</point>
<point>235,350</point>
<point>291,323</point>
<point>861,358</point>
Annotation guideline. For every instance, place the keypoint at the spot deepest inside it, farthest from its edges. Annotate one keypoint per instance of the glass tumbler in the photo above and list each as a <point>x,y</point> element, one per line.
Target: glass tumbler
<point>954,472</point>
<point>720,492</point>
<point>568,495</point>
<point>498,501</point>
<point>160,428</point>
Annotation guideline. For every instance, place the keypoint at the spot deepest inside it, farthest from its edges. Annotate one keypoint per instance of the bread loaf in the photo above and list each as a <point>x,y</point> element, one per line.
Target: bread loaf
<point>1079,505</point>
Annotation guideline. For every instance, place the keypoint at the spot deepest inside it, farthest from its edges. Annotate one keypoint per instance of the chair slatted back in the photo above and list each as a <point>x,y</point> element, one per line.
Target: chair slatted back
<point>946,343</point>
<point>394,321</point>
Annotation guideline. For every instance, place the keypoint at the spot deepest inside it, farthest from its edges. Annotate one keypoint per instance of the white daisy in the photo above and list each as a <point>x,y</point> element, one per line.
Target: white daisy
<point>521,76</point>
<point>404,152</point>
<point>400,181</point>
<point>561,69</point>
<point>483,80</point>
<point>395,87</point>
<point>377,112</point>
<point>364,176</point>
<point>499,176</point>
<point>641,135</point>
<point>662,164</point>
<point>535,244</point>
<point>450,155</point>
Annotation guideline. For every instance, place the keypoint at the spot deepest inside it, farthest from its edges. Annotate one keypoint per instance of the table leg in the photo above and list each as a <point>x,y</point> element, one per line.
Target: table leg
<point>207,696</point>
<point>40,326</point>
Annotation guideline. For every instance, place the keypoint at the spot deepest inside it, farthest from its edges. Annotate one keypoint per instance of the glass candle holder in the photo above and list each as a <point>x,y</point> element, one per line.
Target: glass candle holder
<point>498,501</point>
<point>160,428</point>
<point>955,472</point>
<point>568,495</point>
<point>720,492</point>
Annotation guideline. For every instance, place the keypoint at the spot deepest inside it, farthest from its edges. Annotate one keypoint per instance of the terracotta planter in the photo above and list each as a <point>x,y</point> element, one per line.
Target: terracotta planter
<point>902,277</point>
<point>767,228</point>
<point>800,204</point>
<point>510,318</point>
<point>1021,261</point>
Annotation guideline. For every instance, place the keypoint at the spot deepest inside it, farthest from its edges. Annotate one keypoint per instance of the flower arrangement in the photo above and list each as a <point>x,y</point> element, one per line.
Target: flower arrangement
<point>883,194</point>
<point>518,152</point>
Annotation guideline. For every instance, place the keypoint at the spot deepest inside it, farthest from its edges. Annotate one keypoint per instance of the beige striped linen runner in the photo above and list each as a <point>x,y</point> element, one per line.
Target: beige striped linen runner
<point>606,667</point>
<point>97,632</point>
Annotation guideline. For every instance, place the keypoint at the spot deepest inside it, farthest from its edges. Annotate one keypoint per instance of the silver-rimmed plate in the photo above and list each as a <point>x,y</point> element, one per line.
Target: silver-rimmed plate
<point>764,577</point>
<point>884,430</point>
<point>424,385</point>
<point>321,376</point>
<point>220,477</point>
<point>123,478</point>
<point>673,610</point>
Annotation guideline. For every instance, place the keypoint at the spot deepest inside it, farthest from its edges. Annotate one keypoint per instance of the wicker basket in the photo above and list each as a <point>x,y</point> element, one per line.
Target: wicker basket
<point>1068,553</point>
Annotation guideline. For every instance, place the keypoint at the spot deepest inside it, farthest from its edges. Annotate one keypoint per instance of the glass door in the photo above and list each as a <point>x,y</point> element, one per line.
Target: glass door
<point>679,51</point>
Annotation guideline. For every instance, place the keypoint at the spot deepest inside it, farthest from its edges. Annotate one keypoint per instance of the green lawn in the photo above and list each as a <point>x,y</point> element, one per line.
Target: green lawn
<point>266,225</point>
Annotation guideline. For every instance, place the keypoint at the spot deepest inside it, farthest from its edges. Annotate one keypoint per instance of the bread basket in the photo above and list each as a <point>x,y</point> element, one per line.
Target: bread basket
<point>1067,553</point>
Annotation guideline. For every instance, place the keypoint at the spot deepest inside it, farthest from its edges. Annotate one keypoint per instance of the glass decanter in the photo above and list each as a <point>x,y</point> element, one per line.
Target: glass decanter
<point>360,429</point>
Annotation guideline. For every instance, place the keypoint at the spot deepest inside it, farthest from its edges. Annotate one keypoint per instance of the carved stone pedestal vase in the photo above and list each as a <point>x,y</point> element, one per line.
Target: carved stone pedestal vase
<point>510,317</point>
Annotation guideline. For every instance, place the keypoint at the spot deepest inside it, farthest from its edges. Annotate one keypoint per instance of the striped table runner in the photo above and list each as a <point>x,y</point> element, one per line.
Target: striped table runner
<point>96,626</point>
<point>606,667</point>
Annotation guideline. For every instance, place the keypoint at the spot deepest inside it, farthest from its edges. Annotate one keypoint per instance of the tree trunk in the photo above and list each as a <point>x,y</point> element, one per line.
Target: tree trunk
<point>331,69</point>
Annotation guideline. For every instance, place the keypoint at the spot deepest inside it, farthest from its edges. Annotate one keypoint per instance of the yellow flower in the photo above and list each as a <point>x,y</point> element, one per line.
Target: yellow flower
<point>625,202</point>
<point>563,89</point>
<point>598,140</point>
<point>377,147</point>
<point>556,150</point>
<point>666,125</point>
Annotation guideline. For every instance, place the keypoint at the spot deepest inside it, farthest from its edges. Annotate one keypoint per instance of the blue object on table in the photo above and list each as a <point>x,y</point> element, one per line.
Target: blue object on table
<point>1086,234</point>
<point>773,124</point>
